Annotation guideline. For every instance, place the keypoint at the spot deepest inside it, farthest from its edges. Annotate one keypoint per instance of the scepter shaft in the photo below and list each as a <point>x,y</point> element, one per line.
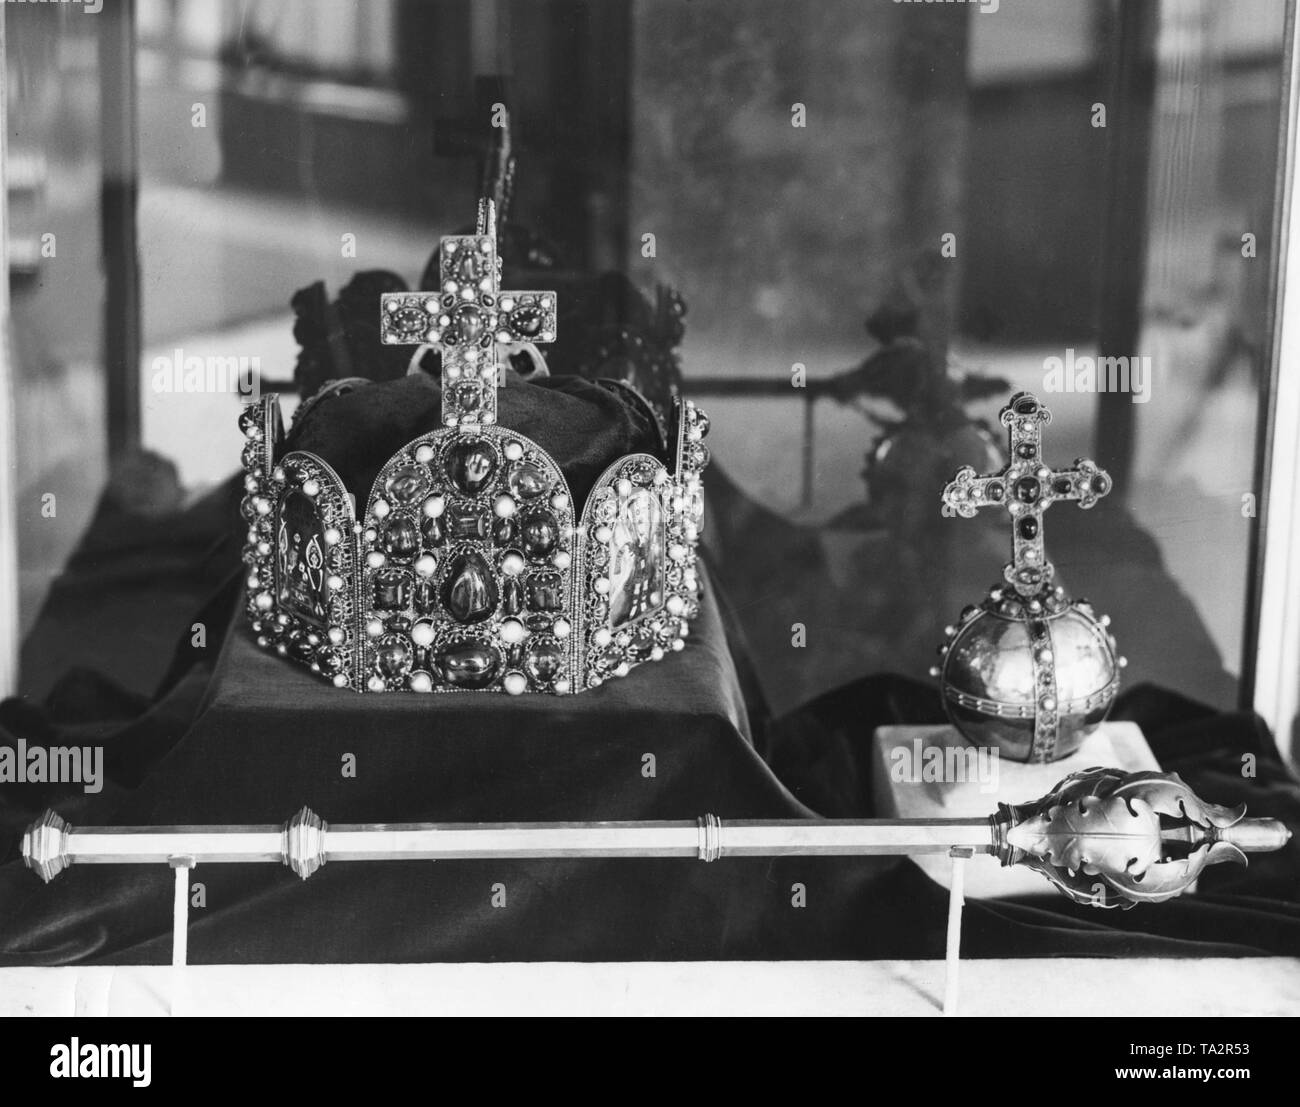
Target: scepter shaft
<point>706,838</point>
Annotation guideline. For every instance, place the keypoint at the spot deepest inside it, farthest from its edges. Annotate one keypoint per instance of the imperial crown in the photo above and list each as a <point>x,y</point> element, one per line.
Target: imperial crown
<point>470,566</point>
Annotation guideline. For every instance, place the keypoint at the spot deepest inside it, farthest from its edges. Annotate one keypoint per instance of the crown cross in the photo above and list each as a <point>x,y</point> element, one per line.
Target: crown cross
<point>1026,488</point>
<point>468,319</point>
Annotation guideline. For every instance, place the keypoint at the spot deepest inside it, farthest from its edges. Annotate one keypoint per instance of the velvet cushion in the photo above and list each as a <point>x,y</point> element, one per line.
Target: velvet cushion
<point>583,425</point>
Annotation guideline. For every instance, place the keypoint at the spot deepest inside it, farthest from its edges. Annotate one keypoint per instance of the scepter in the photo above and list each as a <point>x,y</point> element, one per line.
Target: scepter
<point>1145,837</point>
<point>1101,836</point>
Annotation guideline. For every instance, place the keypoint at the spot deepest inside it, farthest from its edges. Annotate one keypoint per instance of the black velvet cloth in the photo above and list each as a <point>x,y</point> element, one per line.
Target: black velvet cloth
<point>583,425</point>
<point>232,735</point>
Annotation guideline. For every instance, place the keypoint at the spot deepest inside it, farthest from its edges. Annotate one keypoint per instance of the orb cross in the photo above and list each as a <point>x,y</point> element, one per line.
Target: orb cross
<point>1026,488</point>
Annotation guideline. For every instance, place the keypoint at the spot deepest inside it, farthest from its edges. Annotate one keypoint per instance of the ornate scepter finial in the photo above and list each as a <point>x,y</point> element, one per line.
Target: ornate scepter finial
<point>1113,839</point>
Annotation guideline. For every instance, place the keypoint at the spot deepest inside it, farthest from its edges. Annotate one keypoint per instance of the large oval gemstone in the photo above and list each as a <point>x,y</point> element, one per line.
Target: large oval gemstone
<point>1026,405</point>
<point>472,664</point>
<point>393,658</point>
<point>471,466</point>
<point>407,484</point>
<point>539,533</point>
<point>1028,490</point>
<point>401,538</point>
<point>503,532</point>
<point>527,481</point>
<point>466,394</point>
<point>469,590</point>
<point>409,321</point>
<point>526,320</point>
<point>467,324</point>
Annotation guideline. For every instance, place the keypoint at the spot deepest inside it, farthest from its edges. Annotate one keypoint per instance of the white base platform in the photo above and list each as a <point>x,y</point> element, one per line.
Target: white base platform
<point>1033,987</point>
<point>900,751</point>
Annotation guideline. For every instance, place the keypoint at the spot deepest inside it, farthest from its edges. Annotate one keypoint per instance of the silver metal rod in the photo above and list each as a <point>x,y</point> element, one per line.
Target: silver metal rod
<point>306,842</point>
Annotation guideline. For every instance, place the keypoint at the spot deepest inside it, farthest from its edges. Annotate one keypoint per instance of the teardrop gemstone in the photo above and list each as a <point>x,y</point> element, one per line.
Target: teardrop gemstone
<point>469,590</point>
<point>471,465</point>
<point>468,265</point>
<point>471,664</point>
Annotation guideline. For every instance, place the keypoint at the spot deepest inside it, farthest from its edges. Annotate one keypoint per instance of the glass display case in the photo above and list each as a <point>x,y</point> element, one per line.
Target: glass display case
<point>849,230</point>
<point>1053,182</point>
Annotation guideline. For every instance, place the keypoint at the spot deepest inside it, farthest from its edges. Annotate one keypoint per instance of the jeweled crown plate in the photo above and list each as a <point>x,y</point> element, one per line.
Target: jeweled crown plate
<point>470,567</point>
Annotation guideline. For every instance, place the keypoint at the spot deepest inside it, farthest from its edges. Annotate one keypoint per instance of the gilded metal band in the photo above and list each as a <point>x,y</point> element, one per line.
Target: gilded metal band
<point>1046,721</point>
<point>710,838</point>
<point>1003,710</point>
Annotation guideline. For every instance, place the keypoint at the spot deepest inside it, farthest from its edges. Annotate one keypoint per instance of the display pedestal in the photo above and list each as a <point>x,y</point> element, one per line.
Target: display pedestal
<point>932,772</point>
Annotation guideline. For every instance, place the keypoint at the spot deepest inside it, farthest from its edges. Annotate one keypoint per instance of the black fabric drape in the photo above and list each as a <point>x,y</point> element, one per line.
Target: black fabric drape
<point>223,733</point>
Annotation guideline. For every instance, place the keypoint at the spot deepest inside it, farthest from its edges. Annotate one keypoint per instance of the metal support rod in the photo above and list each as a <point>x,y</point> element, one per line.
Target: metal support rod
<point>956,900</point>
<point>181,909</point>
<point>809,429</point>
